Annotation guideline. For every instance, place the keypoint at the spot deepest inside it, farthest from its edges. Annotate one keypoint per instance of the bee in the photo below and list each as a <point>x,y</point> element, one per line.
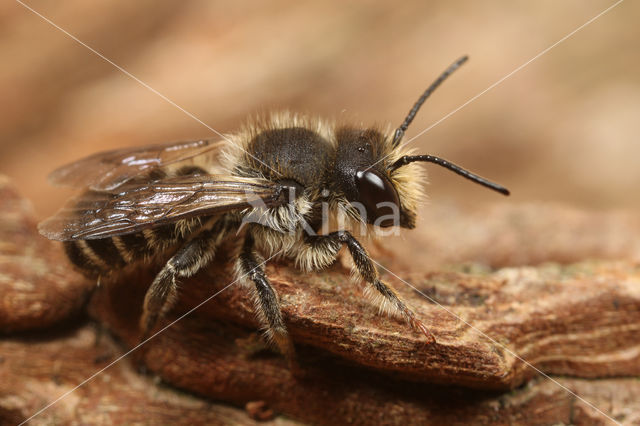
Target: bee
<point>269,186</point>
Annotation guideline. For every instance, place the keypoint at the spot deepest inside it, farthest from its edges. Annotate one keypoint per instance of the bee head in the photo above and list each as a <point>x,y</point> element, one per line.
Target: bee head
<point>365,184</point>
<point>368,169</point>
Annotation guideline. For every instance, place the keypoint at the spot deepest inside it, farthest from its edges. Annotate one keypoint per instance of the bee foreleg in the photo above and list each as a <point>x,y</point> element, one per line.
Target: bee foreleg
<point>266,301</point>
<point>367,271</point>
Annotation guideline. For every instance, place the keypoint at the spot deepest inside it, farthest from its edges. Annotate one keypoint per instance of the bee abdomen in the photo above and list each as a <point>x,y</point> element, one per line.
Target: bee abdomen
<point>94,257</point>
<point>105,255</point>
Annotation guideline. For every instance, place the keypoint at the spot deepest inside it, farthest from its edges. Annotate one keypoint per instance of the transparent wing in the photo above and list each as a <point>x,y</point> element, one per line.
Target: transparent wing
<point>138,206</point>
<point>109,170</point>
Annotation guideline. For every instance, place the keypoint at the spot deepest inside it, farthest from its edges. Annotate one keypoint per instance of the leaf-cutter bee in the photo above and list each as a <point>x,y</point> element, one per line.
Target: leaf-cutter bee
<point>266,184</point>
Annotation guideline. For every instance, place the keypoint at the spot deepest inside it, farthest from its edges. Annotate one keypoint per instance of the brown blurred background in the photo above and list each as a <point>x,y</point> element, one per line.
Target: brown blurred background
<point>564,129</point>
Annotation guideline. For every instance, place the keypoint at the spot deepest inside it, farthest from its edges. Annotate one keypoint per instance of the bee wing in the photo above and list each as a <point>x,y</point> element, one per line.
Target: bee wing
<point>137,206</point>
<point>109,170</point>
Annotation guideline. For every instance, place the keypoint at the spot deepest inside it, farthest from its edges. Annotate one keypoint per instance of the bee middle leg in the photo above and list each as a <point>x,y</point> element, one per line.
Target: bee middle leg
<point>194,255</point>
<point>267,306</point>
<point>327,246</point>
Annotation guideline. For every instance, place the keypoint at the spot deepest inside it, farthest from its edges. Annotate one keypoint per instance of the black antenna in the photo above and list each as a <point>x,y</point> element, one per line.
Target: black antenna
<point>403,161</point>
<point>397,137</point>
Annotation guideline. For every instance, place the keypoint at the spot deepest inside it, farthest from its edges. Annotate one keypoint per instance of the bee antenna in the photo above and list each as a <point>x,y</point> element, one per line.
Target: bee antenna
<point>403,161</point>
<point>397,137</point>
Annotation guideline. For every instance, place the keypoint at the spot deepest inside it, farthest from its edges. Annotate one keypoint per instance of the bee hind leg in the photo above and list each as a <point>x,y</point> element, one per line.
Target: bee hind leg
<point>194,255</point>
<point>266,300</point>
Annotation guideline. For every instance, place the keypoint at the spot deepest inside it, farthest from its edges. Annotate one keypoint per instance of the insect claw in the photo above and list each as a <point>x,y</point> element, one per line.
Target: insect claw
<point>285,346</point>
<point>419,325</point>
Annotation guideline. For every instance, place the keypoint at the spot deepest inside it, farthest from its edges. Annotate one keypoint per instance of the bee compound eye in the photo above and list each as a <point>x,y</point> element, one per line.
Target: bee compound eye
<point>378,197</point>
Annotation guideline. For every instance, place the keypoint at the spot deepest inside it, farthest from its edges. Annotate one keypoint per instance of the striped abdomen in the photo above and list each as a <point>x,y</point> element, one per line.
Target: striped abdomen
<point>105,255</point>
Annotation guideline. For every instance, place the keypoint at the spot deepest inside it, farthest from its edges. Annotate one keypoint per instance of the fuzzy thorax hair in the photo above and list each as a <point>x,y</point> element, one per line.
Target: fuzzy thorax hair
<point>243,157</point>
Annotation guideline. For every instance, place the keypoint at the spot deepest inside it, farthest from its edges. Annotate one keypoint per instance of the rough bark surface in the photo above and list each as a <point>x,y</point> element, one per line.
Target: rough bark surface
<point>37,287</point>
<point>574,317</point>
<point>38,369</point>
<point>35,371</point>
<point>581,320</point>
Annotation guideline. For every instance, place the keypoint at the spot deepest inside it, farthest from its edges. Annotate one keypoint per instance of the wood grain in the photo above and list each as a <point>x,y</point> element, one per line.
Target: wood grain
<point>578,319</point>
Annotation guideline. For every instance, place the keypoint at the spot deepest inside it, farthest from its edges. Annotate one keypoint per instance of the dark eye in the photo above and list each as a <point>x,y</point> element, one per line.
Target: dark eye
<point>373,189</point>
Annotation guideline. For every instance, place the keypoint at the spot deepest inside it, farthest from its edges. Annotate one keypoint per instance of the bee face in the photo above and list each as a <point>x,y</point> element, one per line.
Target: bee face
<point>361,175</point>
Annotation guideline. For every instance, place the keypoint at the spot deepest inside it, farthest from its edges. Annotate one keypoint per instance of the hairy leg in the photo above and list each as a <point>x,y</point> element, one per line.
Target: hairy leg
<point>267,306</point>
<point>323,248</point>
<point>194,255</point>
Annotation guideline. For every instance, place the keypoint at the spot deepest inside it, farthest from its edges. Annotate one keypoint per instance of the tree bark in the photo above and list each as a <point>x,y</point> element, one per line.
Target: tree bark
<point>578,318</point>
